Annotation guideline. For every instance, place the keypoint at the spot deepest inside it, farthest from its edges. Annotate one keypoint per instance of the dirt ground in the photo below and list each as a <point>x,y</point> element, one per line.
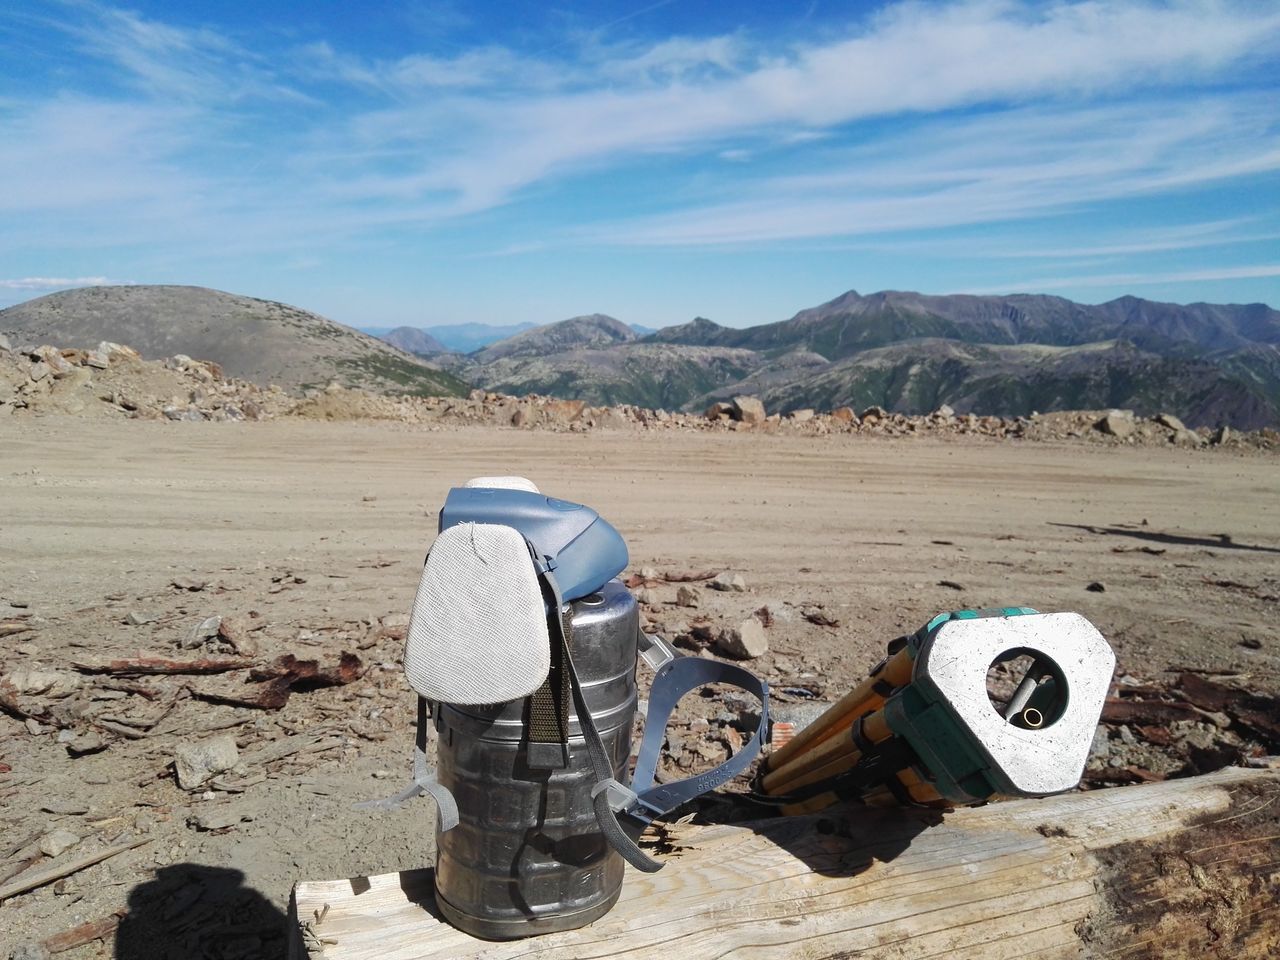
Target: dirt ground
<point>307,538</point>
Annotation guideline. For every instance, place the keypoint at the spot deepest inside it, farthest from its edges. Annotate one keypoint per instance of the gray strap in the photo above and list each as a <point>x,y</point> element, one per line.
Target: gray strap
<point>601,765</point>
<point>672,681</point>
<point>424,779</point>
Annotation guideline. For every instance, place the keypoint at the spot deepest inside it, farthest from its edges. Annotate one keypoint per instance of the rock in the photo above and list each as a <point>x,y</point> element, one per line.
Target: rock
<point>97,359</point>
<point>65,808</point>
<point>801,714</point>
<point>1117,423</point>
<point>34,727</point>
<point>4,344</point>
<point>39,371</point>
<point>57,842</point>
<point>1221,435</point>
<point>201,633</point>
<point>48,683</point>
<point>1101,743</point>
<point>647,597</point>
<point>117,350</point>
<point>650,573</point>
<point>1186,438</point>
<point>218,818</point>
<point>196,761</point>
<point>875,413</point>
<point>520,418</point>
<point>1096,587</point>
<point>748,410</point>
<point>728,581</point>
<point>82,744</point>
<point>1168,420</point>
<point>944,412</point>
<point>136,619</point>
<point>844,415</point>
<point>720,411</point>
<point>800,416</point>
<point>688,596</point>
<point>745,641</point>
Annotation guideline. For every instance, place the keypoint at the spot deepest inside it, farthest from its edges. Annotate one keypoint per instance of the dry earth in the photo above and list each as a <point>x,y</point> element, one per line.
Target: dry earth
<point>308,537</point>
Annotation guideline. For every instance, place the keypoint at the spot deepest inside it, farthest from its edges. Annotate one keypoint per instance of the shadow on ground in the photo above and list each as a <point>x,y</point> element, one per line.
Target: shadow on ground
<point>195,912</point>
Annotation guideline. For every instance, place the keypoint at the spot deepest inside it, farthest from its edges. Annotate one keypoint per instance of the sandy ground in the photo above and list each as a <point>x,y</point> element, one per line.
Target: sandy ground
<point>97,521</point>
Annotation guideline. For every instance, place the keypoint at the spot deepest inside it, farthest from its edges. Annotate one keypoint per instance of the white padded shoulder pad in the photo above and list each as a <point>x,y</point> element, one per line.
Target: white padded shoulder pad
<point>478,632</point>
<point>503,483</point>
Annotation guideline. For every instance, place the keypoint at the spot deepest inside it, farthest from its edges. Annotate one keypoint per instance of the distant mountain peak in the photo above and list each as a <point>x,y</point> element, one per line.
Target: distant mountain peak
<point>588,330</point>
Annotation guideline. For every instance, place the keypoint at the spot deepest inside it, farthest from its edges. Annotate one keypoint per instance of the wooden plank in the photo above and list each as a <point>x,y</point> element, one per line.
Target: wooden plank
<point>1182,868</point>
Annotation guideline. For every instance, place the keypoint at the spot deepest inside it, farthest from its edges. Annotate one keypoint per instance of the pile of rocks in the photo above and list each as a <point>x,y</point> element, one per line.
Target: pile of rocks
<point>113,380</point>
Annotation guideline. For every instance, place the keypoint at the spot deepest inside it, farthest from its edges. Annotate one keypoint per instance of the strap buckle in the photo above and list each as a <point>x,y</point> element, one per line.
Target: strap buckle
<point>621,797</point>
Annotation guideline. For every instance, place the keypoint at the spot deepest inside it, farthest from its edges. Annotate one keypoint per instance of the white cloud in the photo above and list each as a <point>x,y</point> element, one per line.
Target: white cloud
<point>1204,275</point>
<point>56,283</point>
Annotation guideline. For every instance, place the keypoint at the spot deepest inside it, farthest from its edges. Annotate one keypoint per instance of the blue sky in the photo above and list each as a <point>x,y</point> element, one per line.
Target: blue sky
<point>421,163</point>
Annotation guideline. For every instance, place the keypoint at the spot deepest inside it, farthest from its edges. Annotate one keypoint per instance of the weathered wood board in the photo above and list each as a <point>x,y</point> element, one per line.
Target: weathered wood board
<point>1177,869</point>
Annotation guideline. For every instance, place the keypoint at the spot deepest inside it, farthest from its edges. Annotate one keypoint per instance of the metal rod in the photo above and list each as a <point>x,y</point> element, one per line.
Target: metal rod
<point>1025,689</point>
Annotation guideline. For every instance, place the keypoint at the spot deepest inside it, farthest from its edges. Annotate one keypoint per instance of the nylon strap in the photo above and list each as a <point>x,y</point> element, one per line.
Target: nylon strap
<point>424,778</point>
<point>548,746</point>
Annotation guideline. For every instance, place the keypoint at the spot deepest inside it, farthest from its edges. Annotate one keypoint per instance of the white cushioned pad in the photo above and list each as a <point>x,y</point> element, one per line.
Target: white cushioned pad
<point>503,483</point>
<point>478,632</point>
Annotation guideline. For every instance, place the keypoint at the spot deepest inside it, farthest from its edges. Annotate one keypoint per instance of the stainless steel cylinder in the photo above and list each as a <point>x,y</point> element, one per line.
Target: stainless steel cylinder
<point>527,856</point>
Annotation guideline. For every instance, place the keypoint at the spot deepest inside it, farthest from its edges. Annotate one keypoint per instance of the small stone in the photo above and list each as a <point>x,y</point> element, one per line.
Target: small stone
<point>4,344</point>
<point>201,633</point>
<point>85,743</point>
<point>1117,423</point>
<point>745,641</point>
<point>1101,744</point>
<point>368,498</point>
<point>800,416</point>
<point>34,727</point>
<point>1251,643</point>
<point>1096,587</point>
<point>650,573</point>
<point>944,412</point>
<point>57,842</point>
<point>39,371</point>
<point>136,619</point>
<point>688,596</point>
<point>647,597</point>
<point>196,761</point>
<point>218,818</point>
<point>30,951</point>
<point>97,359</point>
<point>1220,436</point>
<point>729,581</point>
<point>65,808</point>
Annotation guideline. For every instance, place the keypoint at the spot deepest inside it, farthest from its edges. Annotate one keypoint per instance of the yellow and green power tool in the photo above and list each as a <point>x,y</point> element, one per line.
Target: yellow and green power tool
<point>923,729</point>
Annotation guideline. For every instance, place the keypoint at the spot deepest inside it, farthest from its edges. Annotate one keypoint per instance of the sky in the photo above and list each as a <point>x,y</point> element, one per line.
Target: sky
<point>426,163</point>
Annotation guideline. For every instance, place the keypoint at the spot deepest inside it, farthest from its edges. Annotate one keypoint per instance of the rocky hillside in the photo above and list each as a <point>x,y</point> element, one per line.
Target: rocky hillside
<point>414,340</point>
<point>257,340</point>
<point>593,331</point>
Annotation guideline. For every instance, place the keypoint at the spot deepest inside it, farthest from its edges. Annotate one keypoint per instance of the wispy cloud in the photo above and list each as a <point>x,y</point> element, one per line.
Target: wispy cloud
<point>179,140</point>
<point>1135,279</point>
<point>56,283</point>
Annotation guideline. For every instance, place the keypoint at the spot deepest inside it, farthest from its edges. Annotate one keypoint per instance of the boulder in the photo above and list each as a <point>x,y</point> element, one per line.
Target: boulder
<point>745,641</point>
<point>720,411</point>
<point>195,761</point>
<point>688,596</point>
<point>875,413</point>
<point>800,416</point>
<point>1221,435</point>
<point>729,581</point>
<point>944,412</point>
<point>1186,438</point>
<point>1169,421</point>
<point>844,415</point>
<point>1116,423</point>
<point>748,410</point>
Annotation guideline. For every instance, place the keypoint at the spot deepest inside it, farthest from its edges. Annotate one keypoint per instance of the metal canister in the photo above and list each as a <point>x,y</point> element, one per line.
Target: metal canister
<point>527,856</point>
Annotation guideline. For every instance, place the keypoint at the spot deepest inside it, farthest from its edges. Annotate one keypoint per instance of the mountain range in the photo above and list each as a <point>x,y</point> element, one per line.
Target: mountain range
<point>1212,364</point>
